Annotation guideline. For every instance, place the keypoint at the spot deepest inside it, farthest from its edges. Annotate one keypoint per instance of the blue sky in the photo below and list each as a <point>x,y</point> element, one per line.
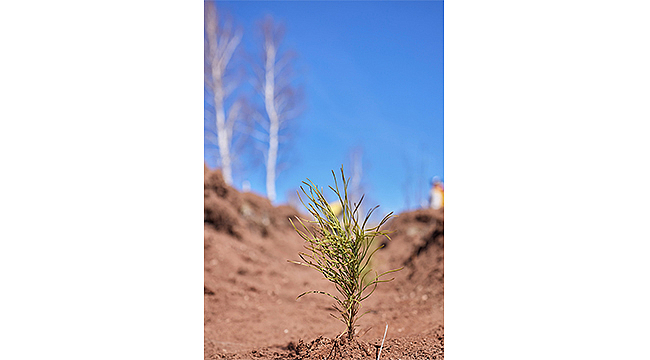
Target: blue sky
<point>372,74</point>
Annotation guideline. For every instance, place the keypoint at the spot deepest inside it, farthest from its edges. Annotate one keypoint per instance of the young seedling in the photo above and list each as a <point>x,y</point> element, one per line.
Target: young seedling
<point>341,250</point>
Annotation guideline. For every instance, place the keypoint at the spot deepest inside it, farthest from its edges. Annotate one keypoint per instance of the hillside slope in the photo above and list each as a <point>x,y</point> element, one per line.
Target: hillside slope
<point>250,306</point>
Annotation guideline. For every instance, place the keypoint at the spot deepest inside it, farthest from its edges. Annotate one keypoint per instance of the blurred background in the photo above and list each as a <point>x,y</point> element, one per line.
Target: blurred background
<point>294,90</point>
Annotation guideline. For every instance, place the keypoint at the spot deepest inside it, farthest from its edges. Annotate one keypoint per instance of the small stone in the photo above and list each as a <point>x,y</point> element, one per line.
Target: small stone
<point>286,331</point>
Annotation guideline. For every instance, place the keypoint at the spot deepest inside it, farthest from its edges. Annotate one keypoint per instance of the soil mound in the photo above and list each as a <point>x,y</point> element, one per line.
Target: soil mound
<point>430,346</point>
<point>250,306</point>
<point>240,214</point>
<point>418,245</point>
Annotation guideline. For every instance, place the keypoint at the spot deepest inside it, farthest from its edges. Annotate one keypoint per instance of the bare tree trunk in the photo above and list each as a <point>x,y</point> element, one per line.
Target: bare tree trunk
<point>274,82</point>
<point>408,179</point>
<point>356,158</point>
<point>221,43</point>
<point>274,121</point>
<point>222,132</point>
<point>271,162</point>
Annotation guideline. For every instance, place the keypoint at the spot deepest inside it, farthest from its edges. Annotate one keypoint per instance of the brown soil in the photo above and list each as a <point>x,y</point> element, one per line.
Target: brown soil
<point>250,306</point>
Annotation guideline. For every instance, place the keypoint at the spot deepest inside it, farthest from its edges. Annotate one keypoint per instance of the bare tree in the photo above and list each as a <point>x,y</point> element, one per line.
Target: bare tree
<point>220,44</point>
<point>274,80</point>
<point>422,182</point>
<point>407,183</point>
<point>355,159</point>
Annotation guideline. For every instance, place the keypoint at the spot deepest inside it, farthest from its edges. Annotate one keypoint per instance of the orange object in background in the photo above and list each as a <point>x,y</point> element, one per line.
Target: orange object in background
<point>437,194</point>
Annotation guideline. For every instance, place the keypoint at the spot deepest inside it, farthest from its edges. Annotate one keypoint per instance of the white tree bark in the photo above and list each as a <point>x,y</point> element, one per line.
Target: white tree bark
<point>222,135</point>
<point>274,124</point>
<point>221,45</point>
<point>282,101</point>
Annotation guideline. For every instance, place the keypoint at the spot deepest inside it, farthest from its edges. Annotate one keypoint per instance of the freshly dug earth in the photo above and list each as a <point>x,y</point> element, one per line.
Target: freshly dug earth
<point>250,289</point>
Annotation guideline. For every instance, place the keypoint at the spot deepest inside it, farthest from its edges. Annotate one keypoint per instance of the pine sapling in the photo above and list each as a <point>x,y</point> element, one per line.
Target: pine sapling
<point>341,250</point>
